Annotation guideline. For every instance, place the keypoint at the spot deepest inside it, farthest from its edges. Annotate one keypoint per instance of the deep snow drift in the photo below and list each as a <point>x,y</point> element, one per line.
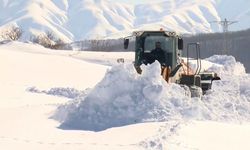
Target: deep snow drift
<point>123,97</point>
<point>25,116</point>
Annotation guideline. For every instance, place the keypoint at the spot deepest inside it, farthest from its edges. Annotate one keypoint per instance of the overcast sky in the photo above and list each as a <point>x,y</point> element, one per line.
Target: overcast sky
<point>136,1</point>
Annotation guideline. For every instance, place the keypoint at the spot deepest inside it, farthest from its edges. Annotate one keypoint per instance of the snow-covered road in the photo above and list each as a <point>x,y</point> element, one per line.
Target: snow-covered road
<point>29,71</point>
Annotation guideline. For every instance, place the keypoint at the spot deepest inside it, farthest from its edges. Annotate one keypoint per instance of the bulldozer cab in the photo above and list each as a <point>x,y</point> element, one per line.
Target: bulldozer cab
<point>162,46</point>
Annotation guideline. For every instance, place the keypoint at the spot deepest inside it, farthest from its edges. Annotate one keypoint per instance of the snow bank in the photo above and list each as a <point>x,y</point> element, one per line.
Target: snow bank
<point>230,97</point>
<point>123,97</point>
<point>229,65</point>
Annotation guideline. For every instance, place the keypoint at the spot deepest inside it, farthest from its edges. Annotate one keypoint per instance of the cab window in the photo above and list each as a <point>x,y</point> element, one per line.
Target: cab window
<point>166,43</point>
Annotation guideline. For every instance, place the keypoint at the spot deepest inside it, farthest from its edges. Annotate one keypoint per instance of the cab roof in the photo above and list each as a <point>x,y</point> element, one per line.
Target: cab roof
<point>168,33</point>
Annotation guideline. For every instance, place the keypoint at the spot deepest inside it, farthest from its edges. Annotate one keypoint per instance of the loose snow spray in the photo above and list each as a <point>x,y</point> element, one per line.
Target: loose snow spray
<point>124,97</point>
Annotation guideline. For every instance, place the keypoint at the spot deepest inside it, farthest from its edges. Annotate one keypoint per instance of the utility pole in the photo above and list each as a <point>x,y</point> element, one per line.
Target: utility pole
<point>225,24</point>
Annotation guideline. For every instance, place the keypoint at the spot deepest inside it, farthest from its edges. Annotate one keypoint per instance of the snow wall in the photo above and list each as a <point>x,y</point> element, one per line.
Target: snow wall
<point>124,97</point>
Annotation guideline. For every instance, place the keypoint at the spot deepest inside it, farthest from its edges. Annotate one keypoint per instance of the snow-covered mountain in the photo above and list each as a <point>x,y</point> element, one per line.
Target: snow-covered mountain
<point>81,19</point>
<point>70,20</point>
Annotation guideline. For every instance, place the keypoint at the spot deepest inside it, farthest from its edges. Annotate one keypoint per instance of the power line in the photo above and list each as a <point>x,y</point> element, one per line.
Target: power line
<point>225,24</point>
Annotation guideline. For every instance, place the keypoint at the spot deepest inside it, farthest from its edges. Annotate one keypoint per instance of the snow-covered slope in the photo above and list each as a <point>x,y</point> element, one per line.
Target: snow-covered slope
<point>183,16</point>
<point>70,20</point>
<point>79,19</point>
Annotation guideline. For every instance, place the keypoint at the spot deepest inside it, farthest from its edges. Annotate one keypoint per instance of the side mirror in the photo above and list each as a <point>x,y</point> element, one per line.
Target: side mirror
<point>180,44</point>
<point>126,43</point>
